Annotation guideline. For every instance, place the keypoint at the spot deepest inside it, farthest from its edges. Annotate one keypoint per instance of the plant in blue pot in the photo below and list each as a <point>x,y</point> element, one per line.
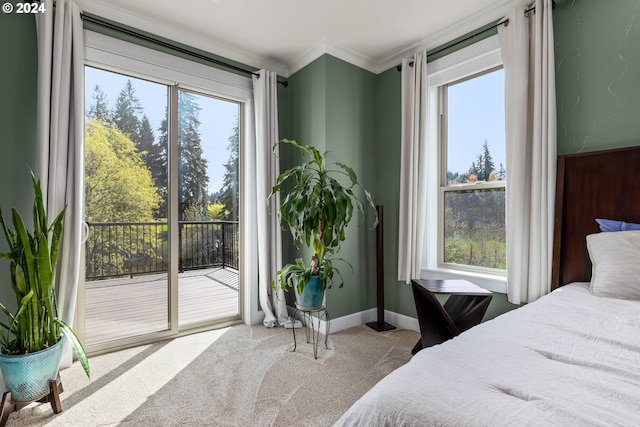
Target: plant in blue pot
<point>31,339</point>
<point>317,202</point>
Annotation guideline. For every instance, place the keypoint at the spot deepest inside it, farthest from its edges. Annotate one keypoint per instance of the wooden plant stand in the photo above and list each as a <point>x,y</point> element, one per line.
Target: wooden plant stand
<point>8,405</point>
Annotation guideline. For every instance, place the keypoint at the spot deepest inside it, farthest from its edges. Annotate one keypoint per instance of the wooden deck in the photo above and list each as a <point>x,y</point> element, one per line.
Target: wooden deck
<point>124,307</point>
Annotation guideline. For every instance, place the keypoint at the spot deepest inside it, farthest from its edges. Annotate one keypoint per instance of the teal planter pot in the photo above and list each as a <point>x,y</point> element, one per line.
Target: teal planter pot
<point>27,376</point>
<point>312,296</point>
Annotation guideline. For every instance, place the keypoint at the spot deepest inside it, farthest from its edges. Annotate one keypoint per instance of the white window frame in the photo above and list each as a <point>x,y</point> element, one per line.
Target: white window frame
<point>471,60</point>
<point>102,51</point>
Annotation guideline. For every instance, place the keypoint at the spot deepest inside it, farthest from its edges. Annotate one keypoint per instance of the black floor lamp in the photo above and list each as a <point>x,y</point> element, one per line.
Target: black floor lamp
<point>380,325</point>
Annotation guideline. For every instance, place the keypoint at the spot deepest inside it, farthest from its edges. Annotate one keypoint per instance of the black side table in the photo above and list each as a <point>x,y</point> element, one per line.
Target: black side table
<point>463,309</point>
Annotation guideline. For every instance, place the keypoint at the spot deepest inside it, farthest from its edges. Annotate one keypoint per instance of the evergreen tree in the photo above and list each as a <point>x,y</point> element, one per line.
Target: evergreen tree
<point>125,112</point>
<point>192,166</point>
<point>161,172</point>
<point>229,190</point>
<point>155,156</point>
<point>483,166</point>
<point>487,162</point>
<point>99,109</point>
<point>146,138</point>
<point>502,174</point>
<point>473,169</point>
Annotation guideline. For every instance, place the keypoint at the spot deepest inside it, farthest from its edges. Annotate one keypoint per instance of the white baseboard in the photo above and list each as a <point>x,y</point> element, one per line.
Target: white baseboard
<point>254,318</point>
<point>400,321</point>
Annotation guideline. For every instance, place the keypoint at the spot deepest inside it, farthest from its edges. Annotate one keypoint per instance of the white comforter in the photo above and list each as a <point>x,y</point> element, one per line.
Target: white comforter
<point>569,359</point>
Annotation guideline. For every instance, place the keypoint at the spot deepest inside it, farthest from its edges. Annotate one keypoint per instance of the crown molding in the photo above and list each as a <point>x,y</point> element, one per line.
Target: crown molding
<point>180,35</point>
<point>325,46</point>
<point>439,38</point>
<point>332,48</point>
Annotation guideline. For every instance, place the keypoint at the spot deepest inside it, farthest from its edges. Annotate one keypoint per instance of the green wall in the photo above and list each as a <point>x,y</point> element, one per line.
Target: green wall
<point>331,107</point>
<point>351,140</point>
<point>18,76</point>
<point>398,295</point>
<point>597,74</point>
<point>308,97</point>
<point>302,118</point>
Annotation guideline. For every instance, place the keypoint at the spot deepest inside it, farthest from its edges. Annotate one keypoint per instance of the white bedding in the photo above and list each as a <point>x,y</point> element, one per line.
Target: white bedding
<point>568,359</point>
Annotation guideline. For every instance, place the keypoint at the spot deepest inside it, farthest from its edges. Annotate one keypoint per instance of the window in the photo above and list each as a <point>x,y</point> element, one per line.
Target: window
<point>465,229</point>
<point>472,189</point>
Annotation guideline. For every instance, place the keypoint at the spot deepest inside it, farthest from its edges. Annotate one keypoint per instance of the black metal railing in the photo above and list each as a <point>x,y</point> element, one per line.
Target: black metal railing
<point>116,249</point>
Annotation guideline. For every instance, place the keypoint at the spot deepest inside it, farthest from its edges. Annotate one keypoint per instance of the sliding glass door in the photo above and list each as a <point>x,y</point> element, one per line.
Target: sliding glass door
<point>161,253</point>
<point>208,211</point>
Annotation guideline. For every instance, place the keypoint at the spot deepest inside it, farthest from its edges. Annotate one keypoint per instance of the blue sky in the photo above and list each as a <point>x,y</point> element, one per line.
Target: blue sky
<point>476,114</point>
<point>217,117</point>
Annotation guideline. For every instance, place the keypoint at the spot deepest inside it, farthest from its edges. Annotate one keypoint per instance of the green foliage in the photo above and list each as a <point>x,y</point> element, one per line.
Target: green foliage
<point>481,169</point>
<point>33,257</point>
<point>118,188</point>
<point>125,112</point>
<point>99,110</point>
<point>192,166</point>
<point>216,211</point>
<point>160,169</point>
<point>229,190</point>
<point>483,165</point>
<point>474,228</point>
<point>118,184</point>
<point>474,220</point>
<point>317,209</point>
<point>155,157</point>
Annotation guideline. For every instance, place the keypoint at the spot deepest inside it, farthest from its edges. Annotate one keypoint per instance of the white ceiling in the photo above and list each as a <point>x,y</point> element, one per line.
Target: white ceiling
<point>286,35</point>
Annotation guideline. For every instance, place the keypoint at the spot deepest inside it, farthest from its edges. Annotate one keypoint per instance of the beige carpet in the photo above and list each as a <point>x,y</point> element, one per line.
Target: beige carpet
<point>238,376</point>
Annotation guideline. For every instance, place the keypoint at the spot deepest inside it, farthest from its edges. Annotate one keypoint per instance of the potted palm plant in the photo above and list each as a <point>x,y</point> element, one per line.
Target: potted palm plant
<point>317,207</point>
<point>31,339</point>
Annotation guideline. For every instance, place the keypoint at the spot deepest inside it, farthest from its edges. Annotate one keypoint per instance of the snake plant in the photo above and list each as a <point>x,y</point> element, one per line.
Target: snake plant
<point>317,207</point>
<point>33,256</point>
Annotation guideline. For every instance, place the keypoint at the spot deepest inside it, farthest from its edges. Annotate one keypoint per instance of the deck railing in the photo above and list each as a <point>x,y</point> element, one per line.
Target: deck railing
<point>116,249</point>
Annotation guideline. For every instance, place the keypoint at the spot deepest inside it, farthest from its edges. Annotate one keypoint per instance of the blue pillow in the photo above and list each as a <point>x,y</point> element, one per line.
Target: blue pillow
<point>612,225</point>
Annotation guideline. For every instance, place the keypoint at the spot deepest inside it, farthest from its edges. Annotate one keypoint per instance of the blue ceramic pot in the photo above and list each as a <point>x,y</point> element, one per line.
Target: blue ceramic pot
<point>312,296</point>
<point>27,376</point>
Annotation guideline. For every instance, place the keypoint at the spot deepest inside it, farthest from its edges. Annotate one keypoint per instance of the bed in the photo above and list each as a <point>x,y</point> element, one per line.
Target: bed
<point>570,358</point>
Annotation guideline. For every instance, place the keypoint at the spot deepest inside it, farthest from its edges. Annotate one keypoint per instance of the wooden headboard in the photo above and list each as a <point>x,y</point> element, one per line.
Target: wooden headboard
<point>599,184</point>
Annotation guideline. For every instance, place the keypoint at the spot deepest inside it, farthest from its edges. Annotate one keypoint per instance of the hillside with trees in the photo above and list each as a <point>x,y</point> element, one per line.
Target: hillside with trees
<point>474,219</point>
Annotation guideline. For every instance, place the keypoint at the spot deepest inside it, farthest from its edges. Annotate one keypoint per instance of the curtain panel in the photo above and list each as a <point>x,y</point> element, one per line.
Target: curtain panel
<point>413,169</point>
<point>527,51</point>
<point>60,141</point>
<point>269,238</point>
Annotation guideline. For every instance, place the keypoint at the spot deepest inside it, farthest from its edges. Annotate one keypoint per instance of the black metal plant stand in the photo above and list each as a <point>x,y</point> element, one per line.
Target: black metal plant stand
<point>310,330</point>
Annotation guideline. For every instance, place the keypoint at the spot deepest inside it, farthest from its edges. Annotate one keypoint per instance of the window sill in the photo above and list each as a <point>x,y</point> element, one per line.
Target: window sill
<point>489,282</point>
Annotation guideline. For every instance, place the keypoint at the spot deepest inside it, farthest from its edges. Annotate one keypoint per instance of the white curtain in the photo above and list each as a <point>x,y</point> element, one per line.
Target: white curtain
<point>413,169</point>
<point>60,140</point>
<point>267,169</point>
<point>530,104</point>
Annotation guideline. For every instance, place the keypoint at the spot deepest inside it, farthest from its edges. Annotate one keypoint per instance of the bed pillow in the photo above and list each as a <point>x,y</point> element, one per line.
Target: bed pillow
<point>615,259</point>
<point>612,225</point>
